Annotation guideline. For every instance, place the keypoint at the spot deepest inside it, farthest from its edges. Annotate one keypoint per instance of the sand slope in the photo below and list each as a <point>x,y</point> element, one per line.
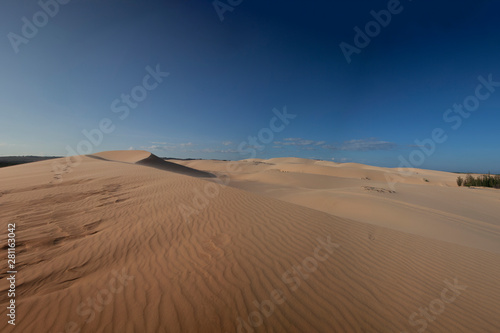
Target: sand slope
<point>421,202</point>
<point>109,250</point>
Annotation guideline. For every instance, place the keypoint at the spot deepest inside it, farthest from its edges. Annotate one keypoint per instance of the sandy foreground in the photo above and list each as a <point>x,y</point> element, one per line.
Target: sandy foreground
<point>127,242</point>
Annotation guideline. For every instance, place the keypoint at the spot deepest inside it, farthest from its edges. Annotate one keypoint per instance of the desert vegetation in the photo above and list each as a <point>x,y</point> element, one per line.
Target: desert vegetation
<point>483,180</point>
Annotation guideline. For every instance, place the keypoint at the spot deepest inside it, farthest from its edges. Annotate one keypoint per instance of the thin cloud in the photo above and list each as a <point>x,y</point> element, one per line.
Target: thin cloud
<point>165,146</point>
<point>297,142</point>
<point>210,150</point>
<point>158,147</point>
<point>368,144</point>
<point>363,145</point>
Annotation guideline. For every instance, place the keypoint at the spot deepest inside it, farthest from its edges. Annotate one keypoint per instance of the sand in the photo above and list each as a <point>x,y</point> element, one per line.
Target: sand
<point>125,243</point>
<point>421,202</point>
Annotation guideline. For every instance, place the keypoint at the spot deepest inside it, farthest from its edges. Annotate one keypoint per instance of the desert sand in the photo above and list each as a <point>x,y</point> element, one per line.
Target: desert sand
<point>126,242</point>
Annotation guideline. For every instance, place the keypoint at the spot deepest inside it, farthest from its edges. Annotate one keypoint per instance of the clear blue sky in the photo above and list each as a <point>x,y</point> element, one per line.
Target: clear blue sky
<point>226,77</point>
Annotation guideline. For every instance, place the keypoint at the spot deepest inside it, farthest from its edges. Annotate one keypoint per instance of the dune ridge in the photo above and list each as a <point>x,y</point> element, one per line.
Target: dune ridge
<point>145,158</point>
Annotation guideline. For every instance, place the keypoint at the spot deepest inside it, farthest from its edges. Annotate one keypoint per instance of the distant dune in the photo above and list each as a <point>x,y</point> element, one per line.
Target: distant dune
<point>109,248</point>
<point>425,202</point>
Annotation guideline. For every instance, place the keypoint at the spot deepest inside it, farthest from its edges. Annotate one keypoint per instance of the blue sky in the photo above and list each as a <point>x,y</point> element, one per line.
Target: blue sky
<point>225,78</point>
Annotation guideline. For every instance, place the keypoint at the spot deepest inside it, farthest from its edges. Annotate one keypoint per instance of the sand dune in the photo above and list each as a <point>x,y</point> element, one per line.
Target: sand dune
<point>425,202</point>
<point>127,156</point>
<point>109,249</point>
<point>325,168</point>
<point>145,158</point>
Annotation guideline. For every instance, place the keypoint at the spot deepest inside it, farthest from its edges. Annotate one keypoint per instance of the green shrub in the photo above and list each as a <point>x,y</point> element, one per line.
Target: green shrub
<point>469,180</point>
<point>483,180</point>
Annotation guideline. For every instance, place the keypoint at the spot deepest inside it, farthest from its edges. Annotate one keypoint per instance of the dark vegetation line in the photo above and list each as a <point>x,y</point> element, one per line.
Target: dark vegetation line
<point>6,161</point>
<point>483,180</point>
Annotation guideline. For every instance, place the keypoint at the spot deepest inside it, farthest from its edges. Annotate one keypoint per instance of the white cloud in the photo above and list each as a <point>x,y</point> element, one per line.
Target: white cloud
<point>165,146</point>
<point>158,147</point>
<point>211,150</point>
<point>350,145</point>
<point>363,145</point>
<point>298,142</point>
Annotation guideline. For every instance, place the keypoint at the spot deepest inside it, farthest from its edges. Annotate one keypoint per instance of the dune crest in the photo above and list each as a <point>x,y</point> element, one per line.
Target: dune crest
<point>142,157</point>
